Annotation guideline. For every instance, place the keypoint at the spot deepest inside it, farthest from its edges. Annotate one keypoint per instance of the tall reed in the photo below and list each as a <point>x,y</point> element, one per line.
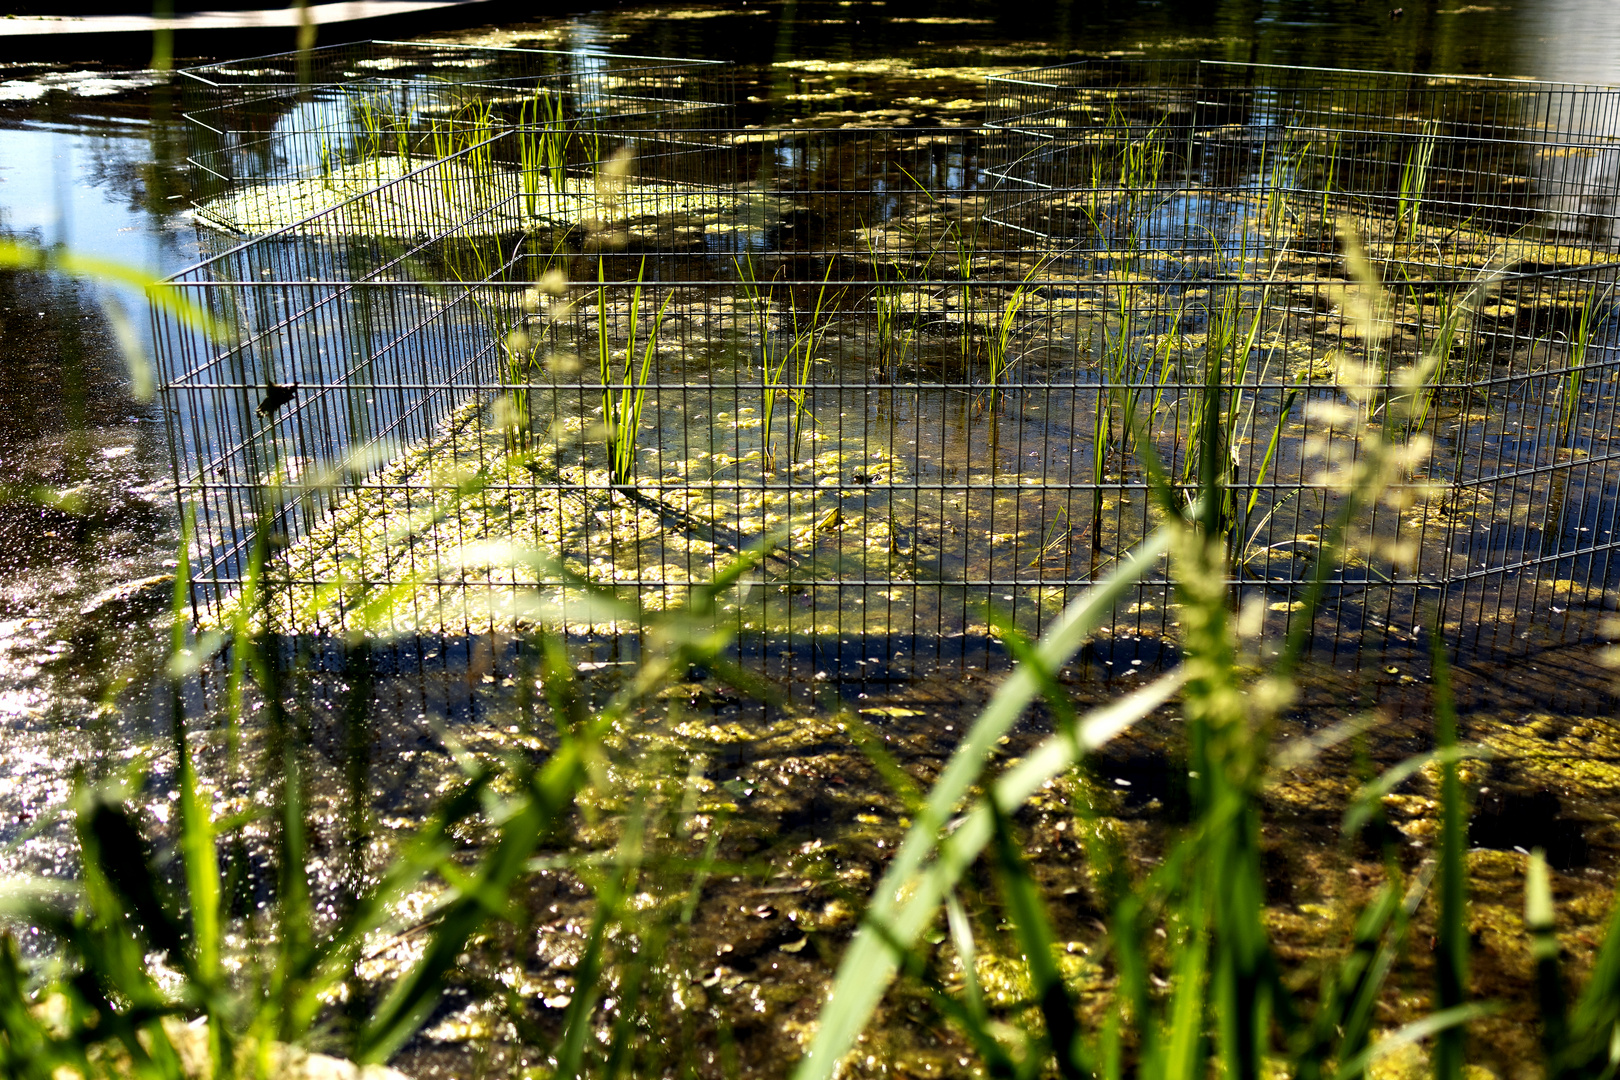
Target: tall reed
<point>1415,180</point>
<point>772,360</point>
<point>622,401</point>
<point>1569,391</point>
<point>1197,986</point>
<point>809,334</point>
<point>895,330</point>
<point>1124,190</point>
<point>806,334</point>
<point>1000,340</point>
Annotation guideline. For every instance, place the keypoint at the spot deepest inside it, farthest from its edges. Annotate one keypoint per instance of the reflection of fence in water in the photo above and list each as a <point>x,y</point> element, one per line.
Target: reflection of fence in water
<point>948,396</point>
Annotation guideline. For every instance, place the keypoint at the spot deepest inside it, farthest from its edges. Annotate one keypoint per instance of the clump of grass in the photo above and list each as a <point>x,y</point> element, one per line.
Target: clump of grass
<point>1415,181</point>
<point>1282,174</point>
<point>960,246</point>
<point>370,134</point>
<point>1000,341</point>
<point>1569,390</point>
<point>809,333</point>
<point>546,142</point>
<point>894,328</point>
<point>1117,214</point>
<point>624,392</point>
<point>806,334</point>
<point>772,362</point>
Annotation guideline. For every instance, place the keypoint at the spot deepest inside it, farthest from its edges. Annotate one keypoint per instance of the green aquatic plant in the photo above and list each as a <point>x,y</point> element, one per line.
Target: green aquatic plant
<point>370,133</point>
<point>1282,172</point>
<point>960,247</point>
<point>542,146</point>
<point>1330,173</point>
<point>1140,175</point>
<point>1124,188</point>
<point>1569,389</point>
<point>442,133</point>
<point>546,139</point>
<point>478,136</point>
<point>772,361</point>
<point>964,248</point>
<point>895,329</point>
<point>808,337</point>
<point>1415,180</point>
<point>1000,341</point>
<point>399,123</point>
<point>468,136</point>
<point>622,401</point>
<point>806,334</point>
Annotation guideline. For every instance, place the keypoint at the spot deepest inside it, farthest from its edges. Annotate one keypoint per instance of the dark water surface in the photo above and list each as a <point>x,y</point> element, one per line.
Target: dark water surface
<point>92,159</point>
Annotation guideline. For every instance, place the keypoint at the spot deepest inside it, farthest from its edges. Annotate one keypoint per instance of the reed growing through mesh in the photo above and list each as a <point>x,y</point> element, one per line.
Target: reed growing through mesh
<point>785,372</point>
<point>624,386</point>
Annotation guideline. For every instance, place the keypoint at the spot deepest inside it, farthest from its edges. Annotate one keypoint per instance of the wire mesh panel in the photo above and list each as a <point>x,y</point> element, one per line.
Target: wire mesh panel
<point>935,367</point>
<point>344,339</point>
<point>269,148</point>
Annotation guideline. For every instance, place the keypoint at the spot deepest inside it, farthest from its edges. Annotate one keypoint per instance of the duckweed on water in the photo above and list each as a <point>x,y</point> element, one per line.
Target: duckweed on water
<point>406,199</point>
<point>439,521</point>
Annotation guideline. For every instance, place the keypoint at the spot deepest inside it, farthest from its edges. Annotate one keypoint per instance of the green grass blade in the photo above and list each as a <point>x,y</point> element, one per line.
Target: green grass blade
<point>1184,1037</point>
<point>908,896</point>
<point>1271,451</point>
<point>1596,1014</point>
<point>1544,949</point>
<point>1367,802</point>
<point>1033,926</point>
<point>961,931</point>
<point>1451,932</point>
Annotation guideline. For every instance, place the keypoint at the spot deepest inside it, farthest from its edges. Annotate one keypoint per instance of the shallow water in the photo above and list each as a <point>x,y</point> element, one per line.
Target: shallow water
<point>98,172</point>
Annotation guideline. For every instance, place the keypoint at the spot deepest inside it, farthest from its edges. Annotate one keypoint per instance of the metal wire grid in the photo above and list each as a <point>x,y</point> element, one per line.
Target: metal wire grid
<point>380,346</point>
<point>1487,155</point>
<point>915,491</point>
<point>370,112</point>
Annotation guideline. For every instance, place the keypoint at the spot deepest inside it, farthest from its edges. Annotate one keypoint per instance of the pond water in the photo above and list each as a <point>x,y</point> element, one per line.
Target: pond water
<point>88,535</point>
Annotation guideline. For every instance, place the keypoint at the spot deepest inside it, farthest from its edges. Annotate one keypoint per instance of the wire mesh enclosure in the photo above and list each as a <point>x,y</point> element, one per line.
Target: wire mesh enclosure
<point>273,142</point>
<point>933,366</point>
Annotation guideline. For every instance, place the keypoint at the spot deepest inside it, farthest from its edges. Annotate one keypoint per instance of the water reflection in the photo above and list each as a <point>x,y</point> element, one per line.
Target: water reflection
<point>80,172</point>
<point>86,515</point>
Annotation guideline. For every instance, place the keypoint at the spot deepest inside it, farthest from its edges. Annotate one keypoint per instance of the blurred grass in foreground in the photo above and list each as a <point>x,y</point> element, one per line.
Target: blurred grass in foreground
<point>157,967</point>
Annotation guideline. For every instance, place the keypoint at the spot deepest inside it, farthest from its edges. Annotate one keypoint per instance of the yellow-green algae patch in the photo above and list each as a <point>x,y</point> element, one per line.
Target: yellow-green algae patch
<point>467,530</point>
<point>403,199</point>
